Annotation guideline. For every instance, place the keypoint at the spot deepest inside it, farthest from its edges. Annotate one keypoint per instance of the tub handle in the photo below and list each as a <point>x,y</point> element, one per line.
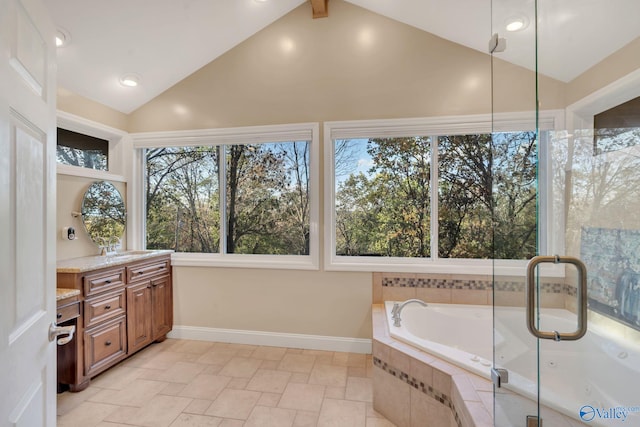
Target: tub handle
<point>582,298</point>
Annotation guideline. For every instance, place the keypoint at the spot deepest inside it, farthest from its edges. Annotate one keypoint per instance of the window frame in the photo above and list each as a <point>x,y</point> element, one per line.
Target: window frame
<point>116,138</point>
<point>433,127</point>
<point>230,136</point>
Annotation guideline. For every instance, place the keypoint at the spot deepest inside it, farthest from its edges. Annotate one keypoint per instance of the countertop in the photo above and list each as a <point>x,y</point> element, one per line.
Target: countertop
<point>89,263</point>
<point>62,293</point>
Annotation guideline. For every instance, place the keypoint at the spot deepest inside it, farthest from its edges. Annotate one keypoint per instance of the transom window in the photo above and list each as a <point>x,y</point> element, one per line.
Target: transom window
<point>77,149</point>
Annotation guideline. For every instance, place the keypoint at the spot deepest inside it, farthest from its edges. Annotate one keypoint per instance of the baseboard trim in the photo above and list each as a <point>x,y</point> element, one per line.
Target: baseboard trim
<point>273,339</point>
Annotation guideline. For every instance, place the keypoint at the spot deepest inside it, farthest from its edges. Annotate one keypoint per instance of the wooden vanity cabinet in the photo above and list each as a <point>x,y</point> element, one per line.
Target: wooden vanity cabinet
<point>125,308</point>
<point>150,302</point>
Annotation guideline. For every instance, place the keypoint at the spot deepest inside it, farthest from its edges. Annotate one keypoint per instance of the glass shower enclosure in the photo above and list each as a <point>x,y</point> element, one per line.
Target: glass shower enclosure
<point>567,313</point>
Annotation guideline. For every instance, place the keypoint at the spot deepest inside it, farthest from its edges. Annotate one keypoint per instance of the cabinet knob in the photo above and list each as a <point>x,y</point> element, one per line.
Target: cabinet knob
<point>107,281</point>
<point>107,307</point>
<point>107,343</point>
<point>59,316</point>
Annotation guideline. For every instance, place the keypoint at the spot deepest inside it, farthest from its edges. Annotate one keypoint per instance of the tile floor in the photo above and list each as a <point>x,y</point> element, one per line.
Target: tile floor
<point>182,383</point>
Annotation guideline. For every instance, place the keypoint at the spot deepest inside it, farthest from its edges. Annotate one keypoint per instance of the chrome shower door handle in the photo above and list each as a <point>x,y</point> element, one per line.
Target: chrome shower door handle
<point>582,298</point>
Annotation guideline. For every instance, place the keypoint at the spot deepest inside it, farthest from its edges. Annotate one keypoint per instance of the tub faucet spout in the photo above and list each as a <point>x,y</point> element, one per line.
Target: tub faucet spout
<point>397,309</point>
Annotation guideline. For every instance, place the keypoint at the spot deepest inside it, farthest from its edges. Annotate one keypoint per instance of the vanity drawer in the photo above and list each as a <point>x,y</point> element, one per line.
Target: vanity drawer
<point>104,345</point>
<point>142,271</point>
<point>67,312</point>
<point>104,307</point>
<point>103,281</point>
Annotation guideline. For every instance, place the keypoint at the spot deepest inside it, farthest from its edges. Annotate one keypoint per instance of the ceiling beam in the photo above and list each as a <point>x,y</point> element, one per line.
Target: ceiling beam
<point>320,8</point>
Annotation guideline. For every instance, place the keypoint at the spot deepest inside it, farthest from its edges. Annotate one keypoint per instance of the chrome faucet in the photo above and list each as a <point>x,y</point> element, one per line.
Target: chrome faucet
<point>109,245</point>
<point>397,308</point>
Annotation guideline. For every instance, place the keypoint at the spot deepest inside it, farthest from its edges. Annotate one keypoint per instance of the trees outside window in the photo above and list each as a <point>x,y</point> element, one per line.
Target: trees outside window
<point>263,189</point>
<point>485,196</point>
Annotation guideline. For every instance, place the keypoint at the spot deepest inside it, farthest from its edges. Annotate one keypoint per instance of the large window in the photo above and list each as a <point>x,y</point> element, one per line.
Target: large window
<point>424,193</point>
<point>236,193</point>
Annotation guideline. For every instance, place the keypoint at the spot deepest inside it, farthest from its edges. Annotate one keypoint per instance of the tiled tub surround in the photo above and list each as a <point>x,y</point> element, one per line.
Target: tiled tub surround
<point>412,388</point>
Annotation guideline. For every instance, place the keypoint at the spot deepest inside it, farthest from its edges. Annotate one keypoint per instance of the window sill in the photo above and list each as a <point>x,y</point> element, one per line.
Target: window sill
<point>283,262</point>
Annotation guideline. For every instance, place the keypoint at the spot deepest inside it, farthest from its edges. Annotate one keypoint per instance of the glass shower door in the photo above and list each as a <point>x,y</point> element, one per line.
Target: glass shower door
<point>568,72</point>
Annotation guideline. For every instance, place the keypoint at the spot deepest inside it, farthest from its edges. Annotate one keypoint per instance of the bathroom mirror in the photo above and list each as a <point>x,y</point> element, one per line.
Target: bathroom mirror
<point>103,213</point>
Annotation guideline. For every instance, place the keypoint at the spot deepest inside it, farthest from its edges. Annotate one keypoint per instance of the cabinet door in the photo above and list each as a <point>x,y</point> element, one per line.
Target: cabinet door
<point>139,314</point>
<point>162,300</point>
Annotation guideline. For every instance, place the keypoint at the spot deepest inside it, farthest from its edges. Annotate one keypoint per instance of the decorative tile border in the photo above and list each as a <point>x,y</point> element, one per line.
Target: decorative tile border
<point>427,389</point>
<point>476,285</point>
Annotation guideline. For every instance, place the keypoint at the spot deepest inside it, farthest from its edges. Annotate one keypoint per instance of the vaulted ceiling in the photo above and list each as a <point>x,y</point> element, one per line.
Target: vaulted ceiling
<point>160,42</point>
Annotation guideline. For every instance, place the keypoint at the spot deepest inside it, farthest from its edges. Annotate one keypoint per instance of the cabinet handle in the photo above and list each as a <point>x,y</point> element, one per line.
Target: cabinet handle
<point>107,343</point>
<point>107,307</point>
<point>107,281</point>
<point>160,267</point>
<point>59,316</point>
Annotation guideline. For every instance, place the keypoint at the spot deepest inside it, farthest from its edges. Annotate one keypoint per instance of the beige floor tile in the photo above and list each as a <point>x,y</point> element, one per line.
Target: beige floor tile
<point>242,347</point>
<point>192,420</point>
<point>306,419</point>
<point>335,392</point>
<point>353,371</point>
<point>380,422</point>
<point>198,406</point>
<point>192,346</point>
<point>242,367</point>
<point>118,377</point>
<point>236,404</point>
<point>263,416</point>
<point>269,353</point>
<point>359,389</point>
<point>173,389</point>
<point>212,369</point>
<point>292,362</point>
<point>303,397</point>
<point>269,381</point>
<point>137,394</point>
<point>205,386</point>
<point>322,356</point>
<point>178,383</point>
<point>343,413</point>
<point>180,372</point>
<point>270,364</point>
<point>217,356</point>
<point>108,424</point>
<point>269,399</point>
<point>166,359</point>
<point>67,401</point>
<point>227,422</point>
<point>86,414</point>
<point>329,375</point>
<point>161,411</point>
<point>299,377</point>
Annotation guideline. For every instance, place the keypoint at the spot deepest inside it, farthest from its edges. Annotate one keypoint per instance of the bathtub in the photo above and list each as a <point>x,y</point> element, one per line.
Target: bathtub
<point>594,372</point>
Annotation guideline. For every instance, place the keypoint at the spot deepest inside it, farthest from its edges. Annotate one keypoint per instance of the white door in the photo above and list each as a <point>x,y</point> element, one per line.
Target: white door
<point>27,215</point>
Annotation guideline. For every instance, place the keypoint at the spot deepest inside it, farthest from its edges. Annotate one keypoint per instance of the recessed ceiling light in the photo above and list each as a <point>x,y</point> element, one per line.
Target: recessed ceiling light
<point>516,24</point>
<point>260,1</point>
<point>62,38</point>
<point>130,80</point>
